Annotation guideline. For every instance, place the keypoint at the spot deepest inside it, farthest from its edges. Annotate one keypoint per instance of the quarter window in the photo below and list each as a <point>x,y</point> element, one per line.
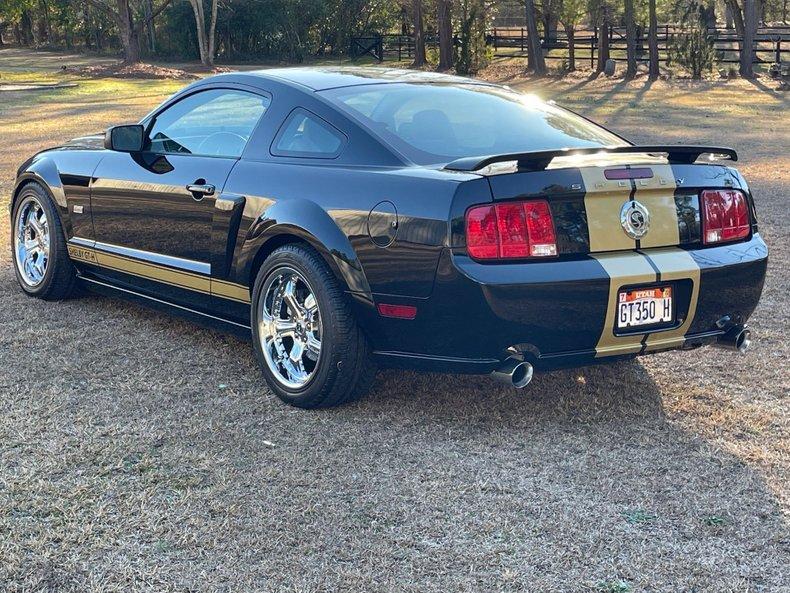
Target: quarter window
<point>304,134</point>
<point>217,122</point>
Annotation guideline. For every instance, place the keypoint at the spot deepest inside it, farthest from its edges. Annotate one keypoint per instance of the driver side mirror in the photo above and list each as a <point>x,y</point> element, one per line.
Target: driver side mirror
<point>124,138</point>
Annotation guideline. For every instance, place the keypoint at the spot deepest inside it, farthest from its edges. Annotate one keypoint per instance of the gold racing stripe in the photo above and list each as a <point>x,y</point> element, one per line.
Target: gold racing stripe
<point>623,269</point>
<point>169,276</point>
<point>603,200</point>
<point>675,264</point>
<point>657,194</point>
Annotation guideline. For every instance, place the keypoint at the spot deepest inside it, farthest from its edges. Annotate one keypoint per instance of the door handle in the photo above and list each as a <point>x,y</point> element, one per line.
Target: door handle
<point>200,189</point>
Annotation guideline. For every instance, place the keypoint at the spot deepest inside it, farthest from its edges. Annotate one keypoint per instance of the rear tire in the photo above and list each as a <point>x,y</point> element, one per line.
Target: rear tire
<point>38,247</point>
<point>306,340</point>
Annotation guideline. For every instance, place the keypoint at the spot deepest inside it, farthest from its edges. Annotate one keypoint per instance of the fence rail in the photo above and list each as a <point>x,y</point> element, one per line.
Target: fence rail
<point>772,44</point>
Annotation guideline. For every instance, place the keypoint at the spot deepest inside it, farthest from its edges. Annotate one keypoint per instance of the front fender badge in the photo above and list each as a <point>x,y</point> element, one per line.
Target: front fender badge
<point>635,219</point>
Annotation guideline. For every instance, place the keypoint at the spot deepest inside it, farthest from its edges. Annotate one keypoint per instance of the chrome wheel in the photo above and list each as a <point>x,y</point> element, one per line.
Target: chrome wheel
<point>31,241</point>
<point>289,326</point>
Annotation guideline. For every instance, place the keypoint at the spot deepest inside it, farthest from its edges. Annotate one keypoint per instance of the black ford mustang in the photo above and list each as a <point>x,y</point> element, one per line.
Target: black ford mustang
<point>354,217</point>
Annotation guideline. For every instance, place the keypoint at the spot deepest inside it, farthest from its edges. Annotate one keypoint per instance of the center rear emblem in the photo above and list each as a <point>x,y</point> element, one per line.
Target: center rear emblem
<point>635,219</point>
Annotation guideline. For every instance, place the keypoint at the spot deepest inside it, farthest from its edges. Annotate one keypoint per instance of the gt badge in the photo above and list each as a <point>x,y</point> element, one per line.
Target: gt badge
<point>635,219</point>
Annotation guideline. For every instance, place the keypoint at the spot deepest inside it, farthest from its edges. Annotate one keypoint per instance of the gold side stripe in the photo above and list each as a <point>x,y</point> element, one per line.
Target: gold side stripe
<point>229,290</point>
<point>158,273</point>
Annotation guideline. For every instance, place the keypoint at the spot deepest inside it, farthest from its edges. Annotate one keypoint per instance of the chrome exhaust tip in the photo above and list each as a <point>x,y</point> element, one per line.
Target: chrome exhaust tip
<point>738,339</point>
<point>514,372</point>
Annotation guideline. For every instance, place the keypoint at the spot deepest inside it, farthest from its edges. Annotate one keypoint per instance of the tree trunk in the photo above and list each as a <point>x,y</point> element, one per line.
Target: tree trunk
<point>550,22</point>
<point>444,18</point>
<point>737,15</point>
<point>212,33</point>
<point>26,24</point>
<point>630,40</point>
<point>130,39</point>
<point>603,42</point>
<point>150,31</point>
<point>570,32</point>
<point>44,24</point>
<point>747,46</point>
<point>419,35</point>
<point>652,41</point>
<point>200,29</point>
<point>534,48</point>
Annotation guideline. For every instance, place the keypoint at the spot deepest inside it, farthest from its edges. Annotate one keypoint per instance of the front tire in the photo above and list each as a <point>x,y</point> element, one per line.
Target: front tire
<point>307,342</point>
<point>41,260</point>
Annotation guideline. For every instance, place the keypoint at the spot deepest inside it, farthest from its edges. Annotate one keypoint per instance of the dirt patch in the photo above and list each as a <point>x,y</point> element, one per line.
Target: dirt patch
<point>137,71</point>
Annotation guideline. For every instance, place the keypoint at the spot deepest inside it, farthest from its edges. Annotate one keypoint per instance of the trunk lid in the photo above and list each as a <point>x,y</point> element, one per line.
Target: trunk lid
<point>595,200</point>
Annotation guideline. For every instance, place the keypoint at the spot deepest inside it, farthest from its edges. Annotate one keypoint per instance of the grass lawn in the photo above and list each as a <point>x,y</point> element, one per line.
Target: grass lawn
<point>140,452</point>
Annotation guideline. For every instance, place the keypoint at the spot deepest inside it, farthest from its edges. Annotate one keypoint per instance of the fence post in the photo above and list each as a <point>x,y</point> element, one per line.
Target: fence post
<point>522,39</point>
<point>592,47</point>
<point>779,51</point>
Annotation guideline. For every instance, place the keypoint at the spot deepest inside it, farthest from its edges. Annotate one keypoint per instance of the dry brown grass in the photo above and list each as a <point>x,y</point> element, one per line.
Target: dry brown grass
<point>139,452</point>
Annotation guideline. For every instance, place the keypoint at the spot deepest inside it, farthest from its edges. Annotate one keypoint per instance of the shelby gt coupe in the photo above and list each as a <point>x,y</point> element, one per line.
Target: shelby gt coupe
<point>357,217</point>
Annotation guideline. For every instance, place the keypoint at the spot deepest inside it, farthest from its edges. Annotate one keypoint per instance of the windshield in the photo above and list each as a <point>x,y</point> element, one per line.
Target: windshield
<point>437,123</point>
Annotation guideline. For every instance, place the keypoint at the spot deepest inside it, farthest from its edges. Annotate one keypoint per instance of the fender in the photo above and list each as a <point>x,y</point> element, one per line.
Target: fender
<point>308,221</point>
<point>42,169</point>
<point>66,174</point>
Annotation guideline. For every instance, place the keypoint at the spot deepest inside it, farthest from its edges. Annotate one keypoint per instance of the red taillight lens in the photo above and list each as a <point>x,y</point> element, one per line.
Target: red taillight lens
<point>482,238</point>
<point>725,216</point>
<point>511,230</point>
<point>540,227</point>
<point>513,239</point>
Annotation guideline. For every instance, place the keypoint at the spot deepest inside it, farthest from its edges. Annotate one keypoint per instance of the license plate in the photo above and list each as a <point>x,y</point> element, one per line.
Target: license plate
<point>644,306</point>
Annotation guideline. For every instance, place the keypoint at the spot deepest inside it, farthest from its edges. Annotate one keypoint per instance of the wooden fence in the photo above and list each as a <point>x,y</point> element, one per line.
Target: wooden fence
<point>772,44</point>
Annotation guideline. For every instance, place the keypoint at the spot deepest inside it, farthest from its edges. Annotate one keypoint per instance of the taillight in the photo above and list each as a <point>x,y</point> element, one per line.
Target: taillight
<point>725,216</point>
<point>510,230</point>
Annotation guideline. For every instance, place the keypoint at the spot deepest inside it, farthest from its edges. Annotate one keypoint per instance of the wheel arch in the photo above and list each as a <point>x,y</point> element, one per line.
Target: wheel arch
<point>302,221</point>
<point>44,172</point>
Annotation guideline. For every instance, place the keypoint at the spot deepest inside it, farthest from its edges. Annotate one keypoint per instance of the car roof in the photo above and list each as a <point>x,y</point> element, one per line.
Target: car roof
<point>330,77</point>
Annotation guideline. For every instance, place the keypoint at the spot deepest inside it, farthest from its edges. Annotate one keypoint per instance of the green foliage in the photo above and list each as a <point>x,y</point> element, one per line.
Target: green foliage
<point>572,12</point>
<point>471,53</point>
<point>636,516</point>
<point>693,47</point>
<point>714,520</point>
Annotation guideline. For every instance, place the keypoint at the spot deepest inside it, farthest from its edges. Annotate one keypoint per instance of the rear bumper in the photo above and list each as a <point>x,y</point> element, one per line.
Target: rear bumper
<point>560,313</point>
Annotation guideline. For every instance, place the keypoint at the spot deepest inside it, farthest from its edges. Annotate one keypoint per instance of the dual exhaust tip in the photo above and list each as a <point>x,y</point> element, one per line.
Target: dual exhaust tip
<point>518,373</point>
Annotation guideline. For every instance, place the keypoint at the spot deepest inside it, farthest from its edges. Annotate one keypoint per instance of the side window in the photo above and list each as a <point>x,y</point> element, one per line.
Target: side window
<point>217,122</point>
<point>304,134</point>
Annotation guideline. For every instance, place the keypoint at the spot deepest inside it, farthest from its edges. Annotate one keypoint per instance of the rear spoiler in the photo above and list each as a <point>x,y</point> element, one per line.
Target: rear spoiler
<point>539,160</point>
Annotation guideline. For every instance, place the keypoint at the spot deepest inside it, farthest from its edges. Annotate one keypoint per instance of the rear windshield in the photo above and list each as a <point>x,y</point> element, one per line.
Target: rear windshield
<point>437,123</point>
